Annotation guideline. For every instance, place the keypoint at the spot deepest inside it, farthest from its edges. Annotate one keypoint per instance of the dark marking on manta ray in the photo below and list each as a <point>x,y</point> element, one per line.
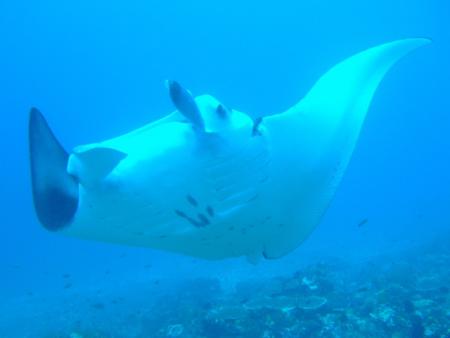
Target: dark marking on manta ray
<point>203,220</point>
<point>192,200</point>
<point>253,198</point>
<point>210,211</point>
<point>264,179</point>
<point>180,213</point>
<point>268,218</point>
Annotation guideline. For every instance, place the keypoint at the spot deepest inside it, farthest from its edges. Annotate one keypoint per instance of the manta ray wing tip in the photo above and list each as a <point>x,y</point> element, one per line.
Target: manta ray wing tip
<point>55,192</point>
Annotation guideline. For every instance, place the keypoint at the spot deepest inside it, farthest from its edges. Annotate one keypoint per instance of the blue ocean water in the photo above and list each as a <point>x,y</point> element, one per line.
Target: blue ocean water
<point>97,69</point>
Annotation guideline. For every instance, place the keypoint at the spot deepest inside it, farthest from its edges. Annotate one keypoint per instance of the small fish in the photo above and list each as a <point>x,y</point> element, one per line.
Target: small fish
<point>362,222</point>
<point>98,306</point>
<point>363,289</point>
<point>14,266</point>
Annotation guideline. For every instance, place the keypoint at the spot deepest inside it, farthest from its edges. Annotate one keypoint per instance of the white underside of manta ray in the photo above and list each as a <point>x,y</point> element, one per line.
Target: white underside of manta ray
<point>209,181</point>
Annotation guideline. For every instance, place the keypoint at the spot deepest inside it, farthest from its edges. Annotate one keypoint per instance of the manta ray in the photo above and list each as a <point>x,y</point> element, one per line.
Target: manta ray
<point>207,180</point>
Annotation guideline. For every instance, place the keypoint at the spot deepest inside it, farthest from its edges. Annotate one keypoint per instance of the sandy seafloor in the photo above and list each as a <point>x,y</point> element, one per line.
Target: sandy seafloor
<point>404,294</point>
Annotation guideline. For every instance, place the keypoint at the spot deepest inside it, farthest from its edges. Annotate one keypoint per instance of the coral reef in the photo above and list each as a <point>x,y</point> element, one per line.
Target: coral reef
<point>403,296</point>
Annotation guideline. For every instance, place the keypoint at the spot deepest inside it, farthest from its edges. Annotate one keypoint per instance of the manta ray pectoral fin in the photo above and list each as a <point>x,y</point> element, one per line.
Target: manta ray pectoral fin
<point>324,128</point>
<point>347,89</point>
<point>92,165</point>
<point>185,104</point>
<point>55,192</point>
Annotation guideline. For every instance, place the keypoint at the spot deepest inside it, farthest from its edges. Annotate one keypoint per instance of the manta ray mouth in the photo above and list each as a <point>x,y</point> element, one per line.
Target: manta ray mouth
<point>55,192</point>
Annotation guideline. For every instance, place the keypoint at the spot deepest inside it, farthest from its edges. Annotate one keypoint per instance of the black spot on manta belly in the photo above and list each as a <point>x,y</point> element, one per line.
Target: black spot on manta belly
<point>203,219</point>
<point>200,222</point>
<point>192,200</point>
<point>210,211</point>
<point>180,213</point>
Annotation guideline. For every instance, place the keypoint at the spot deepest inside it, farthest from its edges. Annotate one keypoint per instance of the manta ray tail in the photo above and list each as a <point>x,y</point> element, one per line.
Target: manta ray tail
<point>55,192</point>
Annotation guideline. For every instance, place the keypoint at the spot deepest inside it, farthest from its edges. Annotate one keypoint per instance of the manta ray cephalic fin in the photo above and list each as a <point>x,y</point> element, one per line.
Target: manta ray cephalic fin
<point>185,104</point>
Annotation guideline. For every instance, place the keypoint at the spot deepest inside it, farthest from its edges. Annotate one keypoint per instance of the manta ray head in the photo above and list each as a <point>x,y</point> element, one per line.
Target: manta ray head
<point>206,113</point>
